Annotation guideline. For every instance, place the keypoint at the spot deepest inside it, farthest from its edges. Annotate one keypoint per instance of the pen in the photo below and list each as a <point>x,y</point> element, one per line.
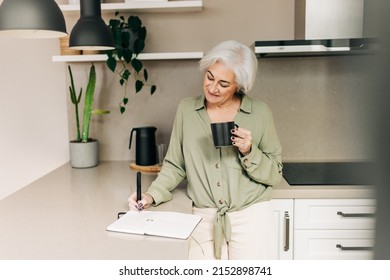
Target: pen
<point>139,192</point>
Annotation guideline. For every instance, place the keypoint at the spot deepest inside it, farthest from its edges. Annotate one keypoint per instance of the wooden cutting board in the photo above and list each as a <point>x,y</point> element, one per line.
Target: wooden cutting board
<point>149,168</point>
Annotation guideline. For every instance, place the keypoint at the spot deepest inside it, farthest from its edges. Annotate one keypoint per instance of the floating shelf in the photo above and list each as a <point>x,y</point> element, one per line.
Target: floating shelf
<point>143,7</point>
<point>142,56</point>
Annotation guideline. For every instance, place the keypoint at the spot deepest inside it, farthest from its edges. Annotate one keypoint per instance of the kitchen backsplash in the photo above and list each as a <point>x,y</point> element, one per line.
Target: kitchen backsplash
<point>320,105</point>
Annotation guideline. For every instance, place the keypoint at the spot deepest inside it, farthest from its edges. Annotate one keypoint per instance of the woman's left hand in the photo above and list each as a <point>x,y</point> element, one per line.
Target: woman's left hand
<point>242,139</point>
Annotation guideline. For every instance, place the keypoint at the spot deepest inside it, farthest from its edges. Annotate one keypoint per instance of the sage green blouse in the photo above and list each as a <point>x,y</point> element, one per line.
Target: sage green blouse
<point>220,177</point>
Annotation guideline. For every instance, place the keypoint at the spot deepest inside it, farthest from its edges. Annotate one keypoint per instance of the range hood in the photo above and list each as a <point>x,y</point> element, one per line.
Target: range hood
<point>328,19</point>
<point>316,47</point>
<point>322,27</point>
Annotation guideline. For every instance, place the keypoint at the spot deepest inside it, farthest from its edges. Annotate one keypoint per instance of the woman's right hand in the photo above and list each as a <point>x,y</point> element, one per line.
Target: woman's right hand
<point>145,202</point>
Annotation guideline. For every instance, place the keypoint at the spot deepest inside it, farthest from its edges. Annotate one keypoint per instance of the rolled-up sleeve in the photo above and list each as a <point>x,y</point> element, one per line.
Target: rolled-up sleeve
<point>173,170</point>
<point>263,164</point>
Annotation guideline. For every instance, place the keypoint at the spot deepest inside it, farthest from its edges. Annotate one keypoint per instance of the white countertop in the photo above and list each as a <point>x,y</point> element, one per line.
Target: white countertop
<point>64,215</point>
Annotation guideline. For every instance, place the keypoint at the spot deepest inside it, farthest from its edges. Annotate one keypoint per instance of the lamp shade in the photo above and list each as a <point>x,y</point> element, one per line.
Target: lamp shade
<point>31,19</point>
<point>90,31</point>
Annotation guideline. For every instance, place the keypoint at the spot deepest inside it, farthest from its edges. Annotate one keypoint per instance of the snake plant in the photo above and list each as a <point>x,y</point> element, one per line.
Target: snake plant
<point>83,135</point>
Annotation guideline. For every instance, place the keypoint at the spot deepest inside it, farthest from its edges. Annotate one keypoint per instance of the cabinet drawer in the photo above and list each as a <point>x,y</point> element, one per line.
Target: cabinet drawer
<point>334,214</point>
<point>333,244</point>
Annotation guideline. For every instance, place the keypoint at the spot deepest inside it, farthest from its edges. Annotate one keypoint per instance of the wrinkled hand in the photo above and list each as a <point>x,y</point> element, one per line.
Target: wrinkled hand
<point>242,139</point>
<point>145,202</point>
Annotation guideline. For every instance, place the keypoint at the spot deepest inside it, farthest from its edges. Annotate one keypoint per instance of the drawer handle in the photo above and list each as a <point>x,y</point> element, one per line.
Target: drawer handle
<point>356,215</point>
<point>287,231</point>
<point>344,248</point>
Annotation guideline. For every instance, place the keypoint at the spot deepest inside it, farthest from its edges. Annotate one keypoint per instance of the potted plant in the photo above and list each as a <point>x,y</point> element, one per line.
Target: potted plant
<point>84,151</point>
<point>129,38</point>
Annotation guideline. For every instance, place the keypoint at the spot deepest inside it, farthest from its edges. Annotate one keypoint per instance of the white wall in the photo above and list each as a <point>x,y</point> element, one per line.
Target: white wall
<point>33,112</point>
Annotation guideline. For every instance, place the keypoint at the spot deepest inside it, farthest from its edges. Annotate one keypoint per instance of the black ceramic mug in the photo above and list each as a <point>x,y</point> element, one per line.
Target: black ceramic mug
<point>222,133</point>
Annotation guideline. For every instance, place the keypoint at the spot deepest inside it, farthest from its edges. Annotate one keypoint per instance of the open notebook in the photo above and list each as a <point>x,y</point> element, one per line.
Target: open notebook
<point>158,223</point>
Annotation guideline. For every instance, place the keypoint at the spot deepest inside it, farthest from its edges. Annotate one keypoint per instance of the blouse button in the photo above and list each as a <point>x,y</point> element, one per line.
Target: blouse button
<point>218,184</point>
<point>221,201</point>
<point>217,165</point>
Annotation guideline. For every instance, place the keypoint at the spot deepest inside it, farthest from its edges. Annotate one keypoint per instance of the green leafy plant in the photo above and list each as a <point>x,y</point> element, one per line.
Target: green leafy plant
<point>129,37</point>
<point>83,132</point>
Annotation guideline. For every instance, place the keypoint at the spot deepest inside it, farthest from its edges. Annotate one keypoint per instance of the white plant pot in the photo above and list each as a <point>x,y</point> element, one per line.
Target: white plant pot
<point>84,155</point>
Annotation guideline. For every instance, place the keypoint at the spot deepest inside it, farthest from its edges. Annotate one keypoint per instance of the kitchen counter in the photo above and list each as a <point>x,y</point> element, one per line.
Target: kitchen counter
<point>327,180</point>
<point>64,215</point>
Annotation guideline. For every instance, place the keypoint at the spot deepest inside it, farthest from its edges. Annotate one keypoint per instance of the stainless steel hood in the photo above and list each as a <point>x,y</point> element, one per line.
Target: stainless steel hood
<point>316,47</point>
<point>322,27</point>
<point>328,19</point>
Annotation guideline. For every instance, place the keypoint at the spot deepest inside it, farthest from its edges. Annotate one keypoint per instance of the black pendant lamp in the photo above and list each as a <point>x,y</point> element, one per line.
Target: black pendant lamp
<point>90,31</point>
<point>31,19</point>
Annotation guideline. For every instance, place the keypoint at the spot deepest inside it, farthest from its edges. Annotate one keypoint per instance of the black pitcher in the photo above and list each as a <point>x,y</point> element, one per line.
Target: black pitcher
<point>145,152</point>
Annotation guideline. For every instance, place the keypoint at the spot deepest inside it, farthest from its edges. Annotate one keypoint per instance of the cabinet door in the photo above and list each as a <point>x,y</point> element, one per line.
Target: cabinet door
<point>284,221</point>
<point>333,229</point>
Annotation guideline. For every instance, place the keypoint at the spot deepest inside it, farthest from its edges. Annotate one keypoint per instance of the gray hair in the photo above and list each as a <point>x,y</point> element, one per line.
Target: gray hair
<point>237,57</point>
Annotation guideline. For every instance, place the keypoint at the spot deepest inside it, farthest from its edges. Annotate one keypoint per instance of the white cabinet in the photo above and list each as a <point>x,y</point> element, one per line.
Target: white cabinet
<point>334,228</point>
<point>284,221</point>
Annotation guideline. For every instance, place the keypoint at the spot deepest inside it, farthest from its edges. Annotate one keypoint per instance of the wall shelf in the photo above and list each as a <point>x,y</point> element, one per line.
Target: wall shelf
<point>142,7</point>
<point>142,56</point>
<point>139,7</point>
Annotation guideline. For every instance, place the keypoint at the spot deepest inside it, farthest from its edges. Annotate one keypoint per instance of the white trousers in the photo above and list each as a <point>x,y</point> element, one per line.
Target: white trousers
<point>252,234</point>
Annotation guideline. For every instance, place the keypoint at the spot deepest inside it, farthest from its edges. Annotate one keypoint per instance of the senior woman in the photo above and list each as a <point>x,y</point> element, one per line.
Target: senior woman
<point>230,186</point>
